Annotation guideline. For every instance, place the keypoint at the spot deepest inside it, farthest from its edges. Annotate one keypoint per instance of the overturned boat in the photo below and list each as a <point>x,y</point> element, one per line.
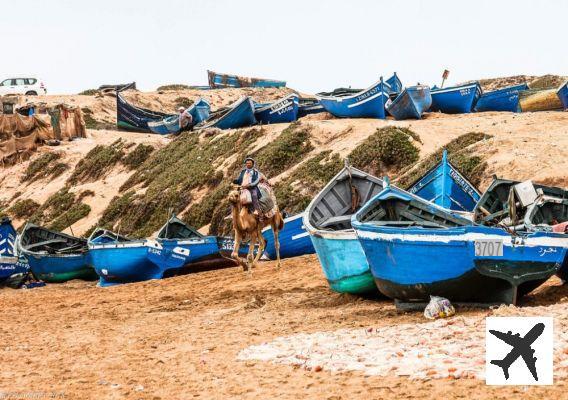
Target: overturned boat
<point>218,81</point>
<point>411,103</point>
<point>132,118</point>
<point>294,239</point>
<point>328,222</point>
<point>199,112</point>
<point>355,103</point>
<point>417,249</point>
<point>445,186</point>
<point>12,268</point>
<point>534,100</point>
<point>563,95</point>
<point>506,99</point>
<point>457,99</point>
<point>240,114</point>
<point>283,110</point>
<point>55,256</point>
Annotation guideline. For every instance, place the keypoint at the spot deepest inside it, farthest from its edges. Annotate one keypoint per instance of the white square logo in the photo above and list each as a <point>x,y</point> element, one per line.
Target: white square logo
<point>518,350</point>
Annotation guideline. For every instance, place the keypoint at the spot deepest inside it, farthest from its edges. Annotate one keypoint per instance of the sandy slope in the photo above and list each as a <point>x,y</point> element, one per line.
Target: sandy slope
<point>179,338</point>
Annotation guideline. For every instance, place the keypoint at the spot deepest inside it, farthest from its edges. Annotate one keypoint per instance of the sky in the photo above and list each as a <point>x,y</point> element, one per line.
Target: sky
<point>313,45</point>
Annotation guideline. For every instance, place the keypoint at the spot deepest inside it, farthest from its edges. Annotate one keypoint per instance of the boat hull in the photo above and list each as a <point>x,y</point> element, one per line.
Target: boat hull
<point>411,103</point>
<point>135,119</point>
<point>343,262</point>
<point>455,100</point>
<point>240,115</point>
<point>61,268</point>
<point>285,110</point>
<point>369,103</point>
<point>506,99</point>
<point>563,95</point>
<point>412,264</point>
<point>294,239</point>
<point>218,80</point>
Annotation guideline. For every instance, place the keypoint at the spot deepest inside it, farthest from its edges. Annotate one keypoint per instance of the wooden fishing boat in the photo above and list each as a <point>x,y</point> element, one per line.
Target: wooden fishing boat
<point>283,110</point>
<point>55,256</point>
<point>328,222</point>
<point>353,103</point>
<point>394,84</point>
<point>506,99</point>
<point>133,118</point>
<point>457,99</point>
<point>309,106</point>
<point>563,95</point>
<point>294,239</point>
<point>238,115</point>
<point>533,100</point>
<point>411,103</point>
<point>417,249</point>
<point>12,269</point>
<point>199,111</point>
<point>445,186</point>
<point>218,80</point>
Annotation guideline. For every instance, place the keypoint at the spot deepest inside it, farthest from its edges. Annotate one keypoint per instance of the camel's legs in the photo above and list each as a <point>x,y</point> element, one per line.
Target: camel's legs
<point>262,245</point>
<point>250,255</point>
<point>235,253</point>
<point>276,244</point>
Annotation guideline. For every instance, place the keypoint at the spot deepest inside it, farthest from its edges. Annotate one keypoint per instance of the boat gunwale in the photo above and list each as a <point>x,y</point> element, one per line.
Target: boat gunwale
<point>334,98</point>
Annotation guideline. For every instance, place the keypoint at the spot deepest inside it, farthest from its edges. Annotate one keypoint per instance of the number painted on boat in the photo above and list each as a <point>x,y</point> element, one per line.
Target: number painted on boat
<point>488,248</point>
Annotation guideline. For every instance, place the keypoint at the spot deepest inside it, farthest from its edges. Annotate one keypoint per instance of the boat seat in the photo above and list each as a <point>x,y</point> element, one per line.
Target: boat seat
<point>45,243</point>
<point>331,221</point>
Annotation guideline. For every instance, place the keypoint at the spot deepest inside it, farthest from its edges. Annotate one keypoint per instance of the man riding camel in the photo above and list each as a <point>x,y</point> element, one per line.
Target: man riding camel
<point>248,179</point>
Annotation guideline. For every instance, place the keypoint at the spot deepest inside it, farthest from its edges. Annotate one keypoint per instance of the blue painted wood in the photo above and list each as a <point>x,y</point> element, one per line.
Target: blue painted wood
<point>563,95</point>
<point>394,83</point>
<point>368,103</point>
<point>415,261</point>
<point>218,80</point>
<point>445,186</point>
<point>10,263</point>
<point>309,106</point>
<point>133,118</point>
<point>506,99</point>
<point>456,100</point>
<point>165,126</point>
<point>283,110</point>
<point>411,103</point>
<point>238,115</point>
<point>294,239</point>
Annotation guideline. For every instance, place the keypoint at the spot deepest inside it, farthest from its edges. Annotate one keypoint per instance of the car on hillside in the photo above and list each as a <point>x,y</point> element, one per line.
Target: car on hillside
<point>25,86</point>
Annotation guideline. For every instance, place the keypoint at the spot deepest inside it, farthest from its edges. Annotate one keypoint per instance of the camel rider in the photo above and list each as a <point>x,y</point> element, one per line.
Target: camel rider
<point>248,179</point>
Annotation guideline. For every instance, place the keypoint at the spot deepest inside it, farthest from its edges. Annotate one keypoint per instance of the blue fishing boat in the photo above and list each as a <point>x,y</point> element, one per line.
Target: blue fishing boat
<point>411,103</point>
<point>219,81</point>
<point>284,110</point>
<point>445,186</point>
<point>506,99</point>
<point>394,83</point>
<point>368,103</point>
<point>417,249</point>
<point>294,239</point>
<point>55,256</point>
<point>328,222</point>
<point>309,106</point>
<point>563,95</point>
<point>238,115</point>
<point>199,111</point>
<point>133,118</point>
<point>456,100</point>
<point>11,267</point>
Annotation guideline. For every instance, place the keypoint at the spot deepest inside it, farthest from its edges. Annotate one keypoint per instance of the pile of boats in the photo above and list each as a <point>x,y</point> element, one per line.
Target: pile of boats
<point>438,238</point>
<point>380,100</point>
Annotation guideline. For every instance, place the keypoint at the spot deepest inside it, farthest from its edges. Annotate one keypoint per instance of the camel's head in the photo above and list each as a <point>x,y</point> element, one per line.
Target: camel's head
<point>234,196</point>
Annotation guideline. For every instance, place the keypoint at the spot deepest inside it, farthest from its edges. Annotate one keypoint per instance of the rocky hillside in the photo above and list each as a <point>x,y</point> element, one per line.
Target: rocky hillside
<point>131,182</point>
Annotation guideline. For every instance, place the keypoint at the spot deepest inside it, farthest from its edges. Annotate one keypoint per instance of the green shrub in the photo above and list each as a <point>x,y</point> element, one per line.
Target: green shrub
<point>137,156</point>
<point>175,86</point>
<point>41,167</point>
<point>89,92</point>
<point>23,208</point>
<point>183,102</point>
<point>69,217</point>
<point>97,163</point>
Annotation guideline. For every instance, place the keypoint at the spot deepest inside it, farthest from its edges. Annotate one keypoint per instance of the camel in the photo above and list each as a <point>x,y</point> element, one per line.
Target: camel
<point>246,225</point>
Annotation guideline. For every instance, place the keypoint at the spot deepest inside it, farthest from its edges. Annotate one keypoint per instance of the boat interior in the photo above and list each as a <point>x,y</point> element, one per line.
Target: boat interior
<point>41,240</point>
<point>101,235</point>
<point>340,92</point>
<point>177,229</point>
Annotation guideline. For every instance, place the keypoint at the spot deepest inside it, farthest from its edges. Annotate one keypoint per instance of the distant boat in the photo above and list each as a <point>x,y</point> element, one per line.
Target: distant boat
<point>283,110</point>
<point>563,95</point>
<point>218,80</point>
<point>309,106</point>
<point>456,100</point>
<point>394,83</point>
<point>506,99</point>
<point>199,111</point>
<point>294,239</point>
<point>55,256</point>
<point>10,265</point>
<point>533,100</point>
<point>136,119</point>
<point>411,103</point>
<point>237,115</point>
<point>354,103</point>
<point>445,186</point>
<point>416,249</point>
<point>328,222</point>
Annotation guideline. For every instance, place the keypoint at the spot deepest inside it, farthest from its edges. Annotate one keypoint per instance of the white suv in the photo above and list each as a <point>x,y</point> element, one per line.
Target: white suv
<point>26,86</point>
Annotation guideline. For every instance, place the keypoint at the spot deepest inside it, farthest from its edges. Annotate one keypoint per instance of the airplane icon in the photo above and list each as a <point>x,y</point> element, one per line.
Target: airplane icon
<point>521,348</point>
